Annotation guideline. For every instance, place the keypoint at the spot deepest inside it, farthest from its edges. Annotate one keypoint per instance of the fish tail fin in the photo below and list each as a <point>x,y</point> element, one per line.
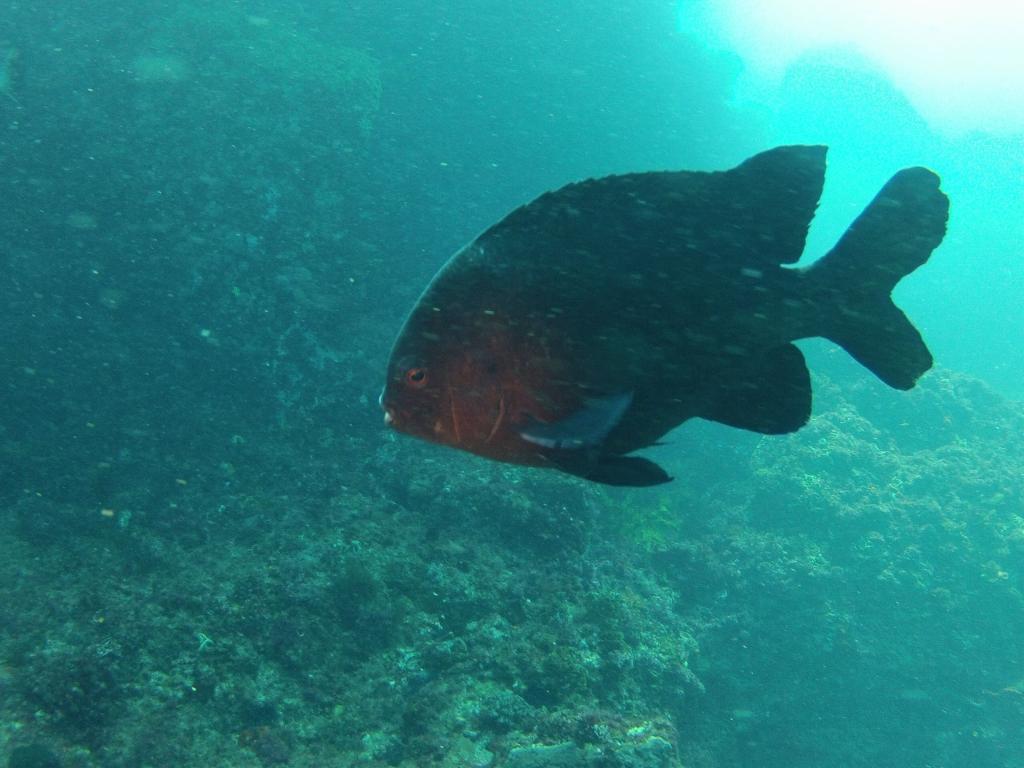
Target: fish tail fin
<point>894,235</point>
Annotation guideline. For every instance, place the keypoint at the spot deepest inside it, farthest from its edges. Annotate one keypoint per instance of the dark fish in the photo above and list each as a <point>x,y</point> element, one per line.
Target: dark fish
<point>10,72</point>
<point>590,322</point>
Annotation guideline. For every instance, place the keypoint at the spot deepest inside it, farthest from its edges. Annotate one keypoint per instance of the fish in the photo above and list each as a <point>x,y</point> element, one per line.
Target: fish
<point>587,324</point>
<point>10,73</point>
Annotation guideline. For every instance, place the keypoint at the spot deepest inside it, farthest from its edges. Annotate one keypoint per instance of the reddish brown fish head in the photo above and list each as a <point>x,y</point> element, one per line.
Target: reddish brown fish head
<point>465,398</point>
<point>456,402</point>
<point>413,400</point>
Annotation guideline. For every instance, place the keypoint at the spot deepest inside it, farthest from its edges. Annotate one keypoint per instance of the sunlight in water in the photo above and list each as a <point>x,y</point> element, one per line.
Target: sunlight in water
<point>960,63</point>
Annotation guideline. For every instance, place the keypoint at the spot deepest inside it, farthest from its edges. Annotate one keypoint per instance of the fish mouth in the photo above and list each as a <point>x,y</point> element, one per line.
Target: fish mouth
<point>389,415</point>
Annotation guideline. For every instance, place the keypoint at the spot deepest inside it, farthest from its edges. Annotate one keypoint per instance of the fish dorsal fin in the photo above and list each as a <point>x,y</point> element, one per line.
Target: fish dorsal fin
<point>772,198</point>
<point>753,216</point>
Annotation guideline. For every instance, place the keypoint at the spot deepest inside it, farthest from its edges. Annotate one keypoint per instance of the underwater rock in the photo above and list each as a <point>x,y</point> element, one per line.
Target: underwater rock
<point>33,756</point>
<point>161,69</point>
<point>655,752</point>
<point>564,755</point>
<point>652,752</point>
<point>465,753</point>
<point>261,65</point>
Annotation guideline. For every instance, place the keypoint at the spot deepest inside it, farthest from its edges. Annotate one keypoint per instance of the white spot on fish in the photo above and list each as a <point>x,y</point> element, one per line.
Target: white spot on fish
<point>757,274</point>
<point>699,338</point>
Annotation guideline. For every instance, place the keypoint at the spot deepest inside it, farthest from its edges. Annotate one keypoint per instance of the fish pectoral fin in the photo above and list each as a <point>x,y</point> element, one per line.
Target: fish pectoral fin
<point>584,428</point>
<point>574,445</point>
<point>772,397</point>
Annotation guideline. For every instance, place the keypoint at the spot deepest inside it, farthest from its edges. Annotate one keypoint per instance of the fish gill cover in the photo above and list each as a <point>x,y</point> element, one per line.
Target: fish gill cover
<point>213,218</point>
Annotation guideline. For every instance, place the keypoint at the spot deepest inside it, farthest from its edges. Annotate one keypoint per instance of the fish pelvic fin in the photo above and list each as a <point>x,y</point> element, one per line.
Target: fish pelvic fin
<point>628,471</point>
<point>853,283</point>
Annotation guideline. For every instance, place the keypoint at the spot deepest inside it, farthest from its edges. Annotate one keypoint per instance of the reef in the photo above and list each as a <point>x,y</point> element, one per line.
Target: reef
<point>414,608</point>
<point>201,56</point>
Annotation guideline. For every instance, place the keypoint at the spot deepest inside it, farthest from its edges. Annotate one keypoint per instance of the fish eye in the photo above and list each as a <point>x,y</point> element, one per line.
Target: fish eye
<point>416,377</point>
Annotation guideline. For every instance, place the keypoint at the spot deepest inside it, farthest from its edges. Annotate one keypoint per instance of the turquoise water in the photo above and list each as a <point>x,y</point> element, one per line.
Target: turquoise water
<point>213,219</point>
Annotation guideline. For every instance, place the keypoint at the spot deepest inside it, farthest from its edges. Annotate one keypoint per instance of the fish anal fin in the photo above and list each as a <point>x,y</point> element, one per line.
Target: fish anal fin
<point>772,397</point>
